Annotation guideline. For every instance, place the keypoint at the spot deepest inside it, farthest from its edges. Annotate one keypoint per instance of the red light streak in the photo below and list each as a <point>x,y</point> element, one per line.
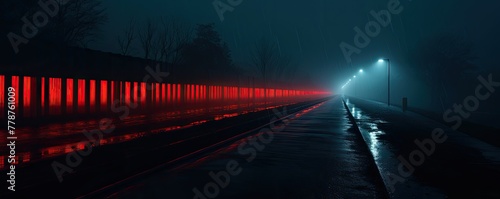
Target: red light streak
<point>128,92</point>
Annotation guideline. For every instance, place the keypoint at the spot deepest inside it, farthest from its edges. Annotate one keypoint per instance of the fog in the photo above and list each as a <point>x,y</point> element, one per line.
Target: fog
<point>437,50</point>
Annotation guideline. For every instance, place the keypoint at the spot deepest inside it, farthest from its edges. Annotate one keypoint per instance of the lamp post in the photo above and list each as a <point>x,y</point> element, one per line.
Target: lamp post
<point>388,80</point>
<point>355,86</point>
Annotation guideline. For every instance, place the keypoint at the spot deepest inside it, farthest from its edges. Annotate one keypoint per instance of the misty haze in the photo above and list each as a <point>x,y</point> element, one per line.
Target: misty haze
<point>249,99</point>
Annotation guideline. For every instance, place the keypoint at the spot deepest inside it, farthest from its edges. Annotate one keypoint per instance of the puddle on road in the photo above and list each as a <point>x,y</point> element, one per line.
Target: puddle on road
<point>385,159</point>
<point>369,130</point>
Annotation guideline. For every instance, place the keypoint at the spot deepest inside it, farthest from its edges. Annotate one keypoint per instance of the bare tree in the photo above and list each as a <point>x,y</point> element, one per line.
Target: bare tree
<point>147,38</point>
<point>264,57</point>
<point>129,35</point>
<point>173,38</point>
<point>77,21</point>
<point>269,62</point>
<point>445,60</point>
<point>282,68</point>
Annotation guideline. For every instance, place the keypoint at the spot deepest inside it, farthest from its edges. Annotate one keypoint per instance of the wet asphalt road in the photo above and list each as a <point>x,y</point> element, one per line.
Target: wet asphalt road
<point>318,154</point>
<point>460,166</point>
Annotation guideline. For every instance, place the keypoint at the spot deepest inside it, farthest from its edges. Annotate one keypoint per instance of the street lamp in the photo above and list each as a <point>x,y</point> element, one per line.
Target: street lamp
<point>388,79</point>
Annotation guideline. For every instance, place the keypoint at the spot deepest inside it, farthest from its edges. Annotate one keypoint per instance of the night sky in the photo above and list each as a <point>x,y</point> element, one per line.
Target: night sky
<point>311,31</point>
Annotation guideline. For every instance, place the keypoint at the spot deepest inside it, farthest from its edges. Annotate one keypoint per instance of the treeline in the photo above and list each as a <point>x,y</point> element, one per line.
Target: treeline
<point>51,38</point>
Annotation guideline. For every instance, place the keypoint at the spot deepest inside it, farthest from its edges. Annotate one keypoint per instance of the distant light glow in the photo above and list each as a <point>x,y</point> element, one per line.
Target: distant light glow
<point>354,76</point>
<point>380,60</point>
<point>360,70</point>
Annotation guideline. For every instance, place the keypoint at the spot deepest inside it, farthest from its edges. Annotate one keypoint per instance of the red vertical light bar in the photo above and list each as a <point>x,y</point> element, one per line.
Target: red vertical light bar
<point>214,92</point>
<point>193,89</point>
<point>218,92</point>
<point>174,93</point>
<point>27,96</point>
<point>69,96</point>
<point>188,92</point>
<point>163,93</point>
<point>169,91</point>
<point>15,85</point>
<point>54,95</point>
<point>136,92</point>
<point>127,92</point>
<point>198,93</point>
<point>104,94</point>
<point>210,92</point>
<point>193,92</point>
<point>112,91</point>
<point>42,92</point>
<point>203,92</point>
<point>2,96</point>
<point>225,93</point>
<point>143,93</point>
<point>157,93</point>
<point>231,92</point>
<point>81,95</point>
<point>178,92</point>
<point>93,95</point>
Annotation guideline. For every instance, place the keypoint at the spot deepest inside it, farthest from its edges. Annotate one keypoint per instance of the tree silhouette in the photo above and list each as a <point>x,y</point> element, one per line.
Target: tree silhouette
<point>73,23</point>
<point>208,54</point>
<point>444,60</point>
<point>129,35</point>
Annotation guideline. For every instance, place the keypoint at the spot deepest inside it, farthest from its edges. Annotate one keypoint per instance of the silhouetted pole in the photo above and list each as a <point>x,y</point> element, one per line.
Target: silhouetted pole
<point>388,82</point>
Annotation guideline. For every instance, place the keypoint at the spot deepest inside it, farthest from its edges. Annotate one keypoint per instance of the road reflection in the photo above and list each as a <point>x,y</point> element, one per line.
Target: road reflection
<point>57,139</point>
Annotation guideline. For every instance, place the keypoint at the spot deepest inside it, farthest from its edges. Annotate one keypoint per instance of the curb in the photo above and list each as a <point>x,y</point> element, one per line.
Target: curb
<point>351,118</point>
